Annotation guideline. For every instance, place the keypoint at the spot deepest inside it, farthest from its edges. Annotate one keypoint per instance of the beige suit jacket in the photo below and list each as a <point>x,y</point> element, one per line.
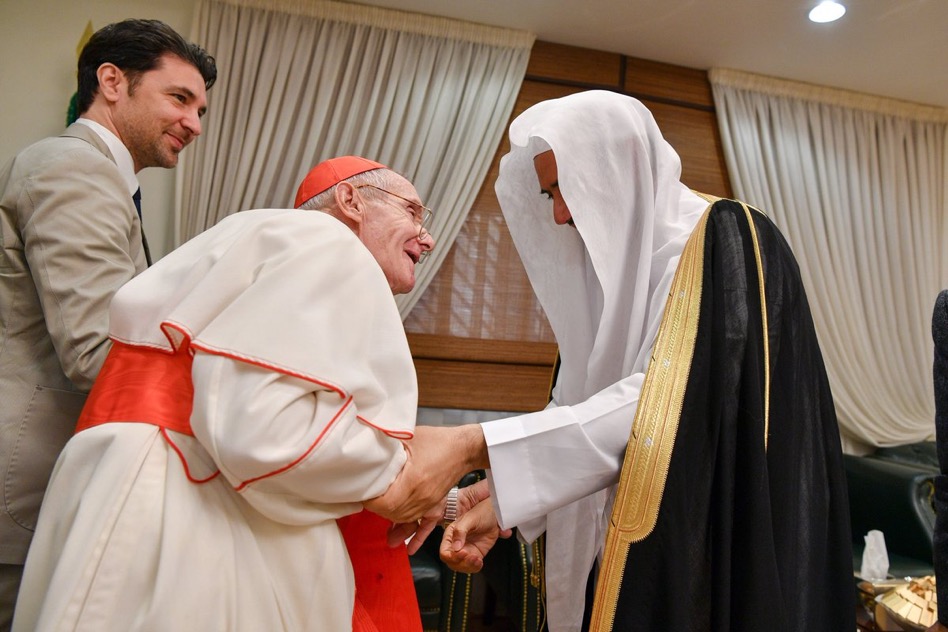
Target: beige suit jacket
<point>69,238</point>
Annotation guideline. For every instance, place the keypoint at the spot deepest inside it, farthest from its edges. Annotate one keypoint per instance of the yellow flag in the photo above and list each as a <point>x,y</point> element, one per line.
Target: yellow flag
<point>71,111</point>
<point>86,34</point>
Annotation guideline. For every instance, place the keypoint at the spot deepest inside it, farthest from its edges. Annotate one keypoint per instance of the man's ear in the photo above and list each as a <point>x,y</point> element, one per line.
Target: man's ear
<point>111,79</point>
<point>349,203</point>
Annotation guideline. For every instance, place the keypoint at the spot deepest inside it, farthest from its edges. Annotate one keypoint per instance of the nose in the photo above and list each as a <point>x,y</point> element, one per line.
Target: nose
<point>561,214</point>
<point>427,245</point>
<point>427,241</point>
<point>192,122</point>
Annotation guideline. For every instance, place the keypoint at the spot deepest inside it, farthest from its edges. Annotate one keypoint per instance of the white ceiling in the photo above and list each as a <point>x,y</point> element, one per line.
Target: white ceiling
<point>893,48</point>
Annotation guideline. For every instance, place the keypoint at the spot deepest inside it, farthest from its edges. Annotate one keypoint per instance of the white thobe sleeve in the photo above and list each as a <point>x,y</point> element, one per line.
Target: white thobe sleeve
<point>297,452</point>
<point>545,460</point>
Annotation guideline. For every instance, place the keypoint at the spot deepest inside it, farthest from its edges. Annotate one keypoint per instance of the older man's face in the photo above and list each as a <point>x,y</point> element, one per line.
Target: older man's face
<point>547,175</point>
<point>390,231</point>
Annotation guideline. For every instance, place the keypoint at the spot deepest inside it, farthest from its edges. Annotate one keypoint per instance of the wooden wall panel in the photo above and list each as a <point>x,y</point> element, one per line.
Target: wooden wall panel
<point>482,385</point>
<point>665,81</point>
<point>570,64</point>
<point>694,135</point>
<point>482,374</point>
<point>478,350</point>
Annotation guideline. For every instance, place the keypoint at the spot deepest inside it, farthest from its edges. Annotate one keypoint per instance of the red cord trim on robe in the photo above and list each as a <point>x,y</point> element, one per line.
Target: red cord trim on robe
<point>404,435</point>
<point>184,462</point>
<point>186,341</point>
<point>305,454</point>
<point>186,336</point>
<point>269,366</point>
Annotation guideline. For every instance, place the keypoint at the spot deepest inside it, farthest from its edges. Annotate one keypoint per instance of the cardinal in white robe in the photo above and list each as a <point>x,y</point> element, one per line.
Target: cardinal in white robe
<point>259,388</point>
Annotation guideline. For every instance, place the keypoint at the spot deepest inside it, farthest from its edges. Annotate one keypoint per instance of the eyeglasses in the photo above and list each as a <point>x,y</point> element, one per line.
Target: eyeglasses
<point>421,215</point>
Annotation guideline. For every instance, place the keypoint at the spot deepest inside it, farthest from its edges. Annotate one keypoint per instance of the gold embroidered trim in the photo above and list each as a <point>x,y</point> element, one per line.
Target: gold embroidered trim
<point>647,457</point>
<point>763,320</point>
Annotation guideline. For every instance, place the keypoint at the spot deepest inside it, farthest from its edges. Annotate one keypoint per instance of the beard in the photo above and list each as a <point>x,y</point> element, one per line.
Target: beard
<point>151,142</point>
<point>152,150</point>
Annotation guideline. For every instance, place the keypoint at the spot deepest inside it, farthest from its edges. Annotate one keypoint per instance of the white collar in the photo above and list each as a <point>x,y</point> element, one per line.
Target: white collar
<point>123,158</point>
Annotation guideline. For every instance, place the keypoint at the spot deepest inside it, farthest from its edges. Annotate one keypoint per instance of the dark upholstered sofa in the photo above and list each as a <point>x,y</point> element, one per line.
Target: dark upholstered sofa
<point>892,490</point>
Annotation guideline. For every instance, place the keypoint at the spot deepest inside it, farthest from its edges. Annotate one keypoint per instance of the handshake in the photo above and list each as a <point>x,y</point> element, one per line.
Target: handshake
<point>418,500</point>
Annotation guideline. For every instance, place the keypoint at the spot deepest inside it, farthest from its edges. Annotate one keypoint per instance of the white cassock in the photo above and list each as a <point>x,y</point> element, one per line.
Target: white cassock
<point>603,286</point>
<point>303,389</point>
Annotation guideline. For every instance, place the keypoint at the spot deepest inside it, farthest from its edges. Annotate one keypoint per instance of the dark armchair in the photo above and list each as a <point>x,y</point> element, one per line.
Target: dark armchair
<point>892,490</point>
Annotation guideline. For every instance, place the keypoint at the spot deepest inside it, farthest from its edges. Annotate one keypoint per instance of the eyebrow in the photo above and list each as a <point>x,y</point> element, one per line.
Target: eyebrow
<point>553,185</point>
<point>417,209</point>
<point>190,96</point>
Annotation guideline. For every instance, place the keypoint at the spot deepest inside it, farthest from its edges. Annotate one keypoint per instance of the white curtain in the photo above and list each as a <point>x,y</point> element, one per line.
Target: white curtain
<point>859,186</point>
<point>301,81</point>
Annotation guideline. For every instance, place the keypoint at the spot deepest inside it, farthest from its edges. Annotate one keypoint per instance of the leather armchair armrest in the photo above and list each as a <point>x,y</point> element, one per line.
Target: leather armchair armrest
<point>896,498</point>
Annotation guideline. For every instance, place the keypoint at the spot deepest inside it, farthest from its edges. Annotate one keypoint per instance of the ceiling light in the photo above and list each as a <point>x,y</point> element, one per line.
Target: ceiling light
<point>827,11</point>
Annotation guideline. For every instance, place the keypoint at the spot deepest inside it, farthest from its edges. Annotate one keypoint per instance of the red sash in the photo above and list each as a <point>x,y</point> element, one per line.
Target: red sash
<point>383,578</point>
<point>145,385</point>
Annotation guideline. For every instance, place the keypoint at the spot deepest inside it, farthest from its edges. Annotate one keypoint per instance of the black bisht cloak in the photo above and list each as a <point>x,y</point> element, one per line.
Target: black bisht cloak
<point>752,529</point>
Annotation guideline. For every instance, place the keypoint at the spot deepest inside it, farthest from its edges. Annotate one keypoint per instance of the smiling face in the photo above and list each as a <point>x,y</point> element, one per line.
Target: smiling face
<point>160,114</point>
<point>389,230</point>
<point>547,176</point>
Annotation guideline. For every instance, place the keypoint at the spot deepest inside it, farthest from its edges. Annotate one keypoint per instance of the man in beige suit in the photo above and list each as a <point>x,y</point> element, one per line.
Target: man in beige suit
<point>71,235</point>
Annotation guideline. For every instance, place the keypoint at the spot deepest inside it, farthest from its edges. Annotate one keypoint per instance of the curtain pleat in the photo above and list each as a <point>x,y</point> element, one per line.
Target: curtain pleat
<point>303,81</point>
<point>859,185</point>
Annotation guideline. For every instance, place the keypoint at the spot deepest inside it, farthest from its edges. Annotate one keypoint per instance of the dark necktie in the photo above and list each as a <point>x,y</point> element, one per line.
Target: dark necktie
<point>137,199</point>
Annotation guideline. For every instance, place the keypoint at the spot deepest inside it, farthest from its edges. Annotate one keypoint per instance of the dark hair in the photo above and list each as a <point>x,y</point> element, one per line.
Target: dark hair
<point>136,46</point>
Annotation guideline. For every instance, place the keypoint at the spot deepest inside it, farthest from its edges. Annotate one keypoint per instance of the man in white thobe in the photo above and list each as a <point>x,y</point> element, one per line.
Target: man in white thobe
<point>689,463</point>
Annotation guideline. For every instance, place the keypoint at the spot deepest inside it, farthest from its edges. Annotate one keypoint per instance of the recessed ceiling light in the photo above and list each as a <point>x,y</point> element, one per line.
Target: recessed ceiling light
<point>827,11</point>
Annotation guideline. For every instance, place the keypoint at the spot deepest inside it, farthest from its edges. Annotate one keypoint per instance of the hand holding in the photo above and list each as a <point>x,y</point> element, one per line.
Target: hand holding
<point>418,531</point>
<point>437,459</point>
<point>467,540</point>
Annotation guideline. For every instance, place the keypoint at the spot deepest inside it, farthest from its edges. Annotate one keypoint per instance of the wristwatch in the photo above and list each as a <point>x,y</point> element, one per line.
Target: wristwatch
<point>451,507</point>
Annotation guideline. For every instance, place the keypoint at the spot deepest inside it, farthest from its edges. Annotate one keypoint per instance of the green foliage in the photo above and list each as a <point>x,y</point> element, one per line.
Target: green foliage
<point>71,114</point>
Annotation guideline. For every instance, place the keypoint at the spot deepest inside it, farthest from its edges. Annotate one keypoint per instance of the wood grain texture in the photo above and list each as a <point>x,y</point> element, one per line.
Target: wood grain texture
<point>694,135</point>
<point>569,63</point>
<point>666,81</point>
<point>482,374</point>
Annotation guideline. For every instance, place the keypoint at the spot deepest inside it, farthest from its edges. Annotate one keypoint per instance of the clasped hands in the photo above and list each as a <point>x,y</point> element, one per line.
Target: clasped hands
<point>415,501</point>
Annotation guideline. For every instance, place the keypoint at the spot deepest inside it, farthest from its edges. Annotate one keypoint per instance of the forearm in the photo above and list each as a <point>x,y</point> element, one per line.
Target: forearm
<point>473,448</point>
<point>545,460</point>
<point>437,459</point>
